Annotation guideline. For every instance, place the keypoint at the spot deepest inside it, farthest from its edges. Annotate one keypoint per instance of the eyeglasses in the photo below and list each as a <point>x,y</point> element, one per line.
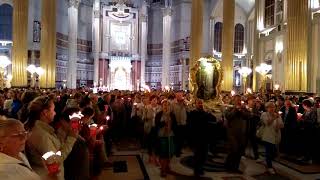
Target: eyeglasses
<point>21,135</point>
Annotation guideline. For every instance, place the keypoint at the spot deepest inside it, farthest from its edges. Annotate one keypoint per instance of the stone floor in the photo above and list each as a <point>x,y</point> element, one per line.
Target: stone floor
<point>252,170</point>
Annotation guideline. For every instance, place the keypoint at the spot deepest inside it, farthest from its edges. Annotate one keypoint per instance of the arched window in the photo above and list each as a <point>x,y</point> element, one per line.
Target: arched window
<point>218,36</point>
<point>269,13</point>
<point>6,12</point>
<point>238,38</point>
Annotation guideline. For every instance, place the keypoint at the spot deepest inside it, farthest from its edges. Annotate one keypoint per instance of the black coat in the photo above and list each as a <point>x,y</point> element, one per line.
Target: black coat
<point>253,122</point>
<point>160,124</point>
<point>290,120</point>
<point>200,123</point>
<point>76,166</point>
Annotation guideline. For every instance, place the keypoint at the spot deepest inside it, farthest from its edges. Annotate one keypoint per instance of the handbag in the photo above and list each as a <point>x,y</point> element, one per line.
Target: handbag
<point>260,131</point>
<point>147,127</point>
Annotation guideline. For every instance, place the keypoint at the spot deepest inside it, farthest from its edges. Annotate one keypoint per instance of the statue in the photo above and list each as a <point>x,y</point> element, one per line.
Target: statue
<point>206,77</point>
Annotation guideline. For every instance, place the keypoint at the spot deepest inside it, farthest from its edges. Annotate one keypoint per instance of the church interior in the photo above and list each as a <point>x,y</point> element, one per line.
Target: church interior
<point>215,50</point>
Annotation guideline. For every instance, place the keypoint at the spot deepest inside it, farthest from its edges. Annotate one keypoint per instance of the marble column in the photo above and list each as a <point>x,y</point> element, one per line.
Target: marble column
<point>20,44</point>
<point>227,44</point>
<point>183,73</point>
<point>315,76</point>
<point>196,41</point>
<point>144,41</point>
<point>73,36</point>
<point>96,39</point>
<point>166,52</point>
<point>48,44</point>
<point>297,46</point>
<point>258,26</point>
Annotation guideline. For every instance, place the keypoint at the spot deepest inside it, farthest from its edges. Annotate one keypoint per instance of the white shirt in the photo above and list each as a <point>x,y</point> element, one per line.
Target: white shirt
<point>15,169</point>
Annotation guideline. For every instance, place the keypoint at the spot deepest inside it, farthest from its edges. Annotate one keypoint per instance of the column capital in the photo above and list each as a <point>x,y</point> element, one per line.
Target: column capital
<point>74,3</point>
<point>316,16</point>
<point>167,11</point>
<point>96,13</point>
<point>143,18</point>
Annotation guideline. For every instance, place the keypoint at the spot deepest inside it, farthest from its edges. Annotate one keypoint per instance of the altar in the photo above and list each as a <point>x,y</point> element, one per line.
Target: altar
<point>120,73</point>
<point>119,61</point>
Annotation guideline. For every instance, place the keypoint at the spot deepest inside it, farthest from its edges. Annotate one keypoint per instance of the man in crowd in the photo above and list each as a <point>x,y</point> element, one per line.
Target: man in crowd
<point>199,126</point>
<point>236,118</point>
<point>253,121</point>
<point>180,112</point>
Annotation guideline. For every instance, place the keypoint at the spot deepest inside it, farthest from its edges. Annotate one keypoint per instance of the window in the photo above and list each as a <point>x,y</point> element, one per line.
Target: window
<point>6,12</point>
<point>237,78</point>
<point>238,38</point>
<point>217,36</point>
<point>269,13</point>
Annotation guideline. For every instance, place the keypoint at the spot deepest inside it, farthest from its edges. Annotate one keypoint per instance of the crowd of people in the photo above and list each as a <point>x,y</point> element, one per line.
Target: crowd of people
<point>69,134</point>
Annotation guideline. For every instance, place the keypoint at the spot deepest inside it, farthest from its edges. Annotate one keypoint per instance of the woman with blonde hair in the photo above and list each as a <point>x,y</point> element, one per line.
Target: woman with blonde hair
<point>43,138</point>
<point>13,163</point>
<point>271,134</point>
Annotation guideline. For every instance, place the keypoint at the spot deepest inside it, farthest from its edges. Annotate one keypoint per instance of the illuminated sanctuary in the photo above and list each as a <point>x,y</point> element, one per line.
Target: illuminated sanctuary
<point>127,44</point>
<point>239,81</point>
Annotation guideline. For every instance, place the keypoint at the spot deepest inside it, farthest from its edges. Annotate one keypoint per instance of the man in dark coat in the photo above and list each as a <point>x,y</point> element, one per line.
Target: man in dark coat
<point>237,118</point>
<point>199,123</point>
<point>289,132</point>
<point>253,122</point>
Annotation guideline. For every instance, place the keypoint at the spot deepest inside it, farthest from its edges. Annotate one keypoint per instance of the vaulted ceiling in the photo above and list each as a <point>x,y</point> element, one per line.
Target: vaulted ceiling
<point>246,5</point>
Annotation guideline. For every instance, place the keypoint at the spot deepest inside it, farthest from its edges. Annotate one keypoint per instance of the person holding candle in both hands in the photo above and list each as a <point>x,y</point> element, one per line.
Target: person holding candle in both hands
<point>92,134</point>
<point>77,163</point>
<point>165,124</point>
<point>43,138</point>
<point>308,123</point>
<point>271,134</point>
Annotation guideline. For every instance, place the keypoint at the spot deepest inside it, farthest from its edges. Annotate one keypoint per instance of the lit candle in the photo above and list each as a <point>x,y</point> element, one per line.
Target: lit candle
<point>233,93</point>
<point>51,160</point>
<point>93,130</point>
<point>74,120</point>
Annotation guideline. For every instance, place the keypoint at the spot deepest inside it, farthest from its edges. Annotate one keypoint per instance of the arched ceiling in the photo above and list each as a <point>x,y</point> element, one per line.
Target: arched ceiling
<point>246,5</point>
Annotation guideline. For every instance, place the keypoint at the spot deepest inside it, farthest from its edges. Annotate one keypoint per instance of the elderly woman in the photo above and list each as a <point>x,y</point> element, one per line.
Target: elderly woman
<point>271,134</point>
<point>44,139</point>
<point>13,164</point>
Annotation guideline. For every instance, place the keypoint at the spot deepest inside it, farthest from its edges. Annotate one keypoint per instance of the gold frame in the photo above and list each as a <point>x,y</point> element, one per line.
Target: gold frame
<point>193,73</point>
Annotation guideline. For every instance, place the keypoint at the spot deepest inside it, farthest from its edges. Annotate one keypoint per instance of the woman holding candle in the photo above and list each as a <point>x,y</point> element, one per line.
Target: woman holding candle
<point>271,135</point>
<point>77,163</point>
<point>13,163</point>
<point>308,126</point>
<point>88,132</point>
<point>149,127</point>
<point>165,124</point>
<point>44,139</point>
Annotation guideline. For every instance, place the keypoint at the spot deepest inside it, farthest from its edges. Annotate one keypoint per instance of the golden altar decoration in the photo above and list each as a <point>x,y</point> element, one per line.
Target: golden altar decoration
<point>206,78</point>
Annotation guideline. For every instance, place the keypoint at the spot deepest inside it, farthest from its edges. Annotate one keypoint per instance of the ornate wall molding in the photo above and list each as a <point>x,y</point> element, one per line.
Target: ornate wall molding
<point>167,11</point>
<point>74,3</point>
